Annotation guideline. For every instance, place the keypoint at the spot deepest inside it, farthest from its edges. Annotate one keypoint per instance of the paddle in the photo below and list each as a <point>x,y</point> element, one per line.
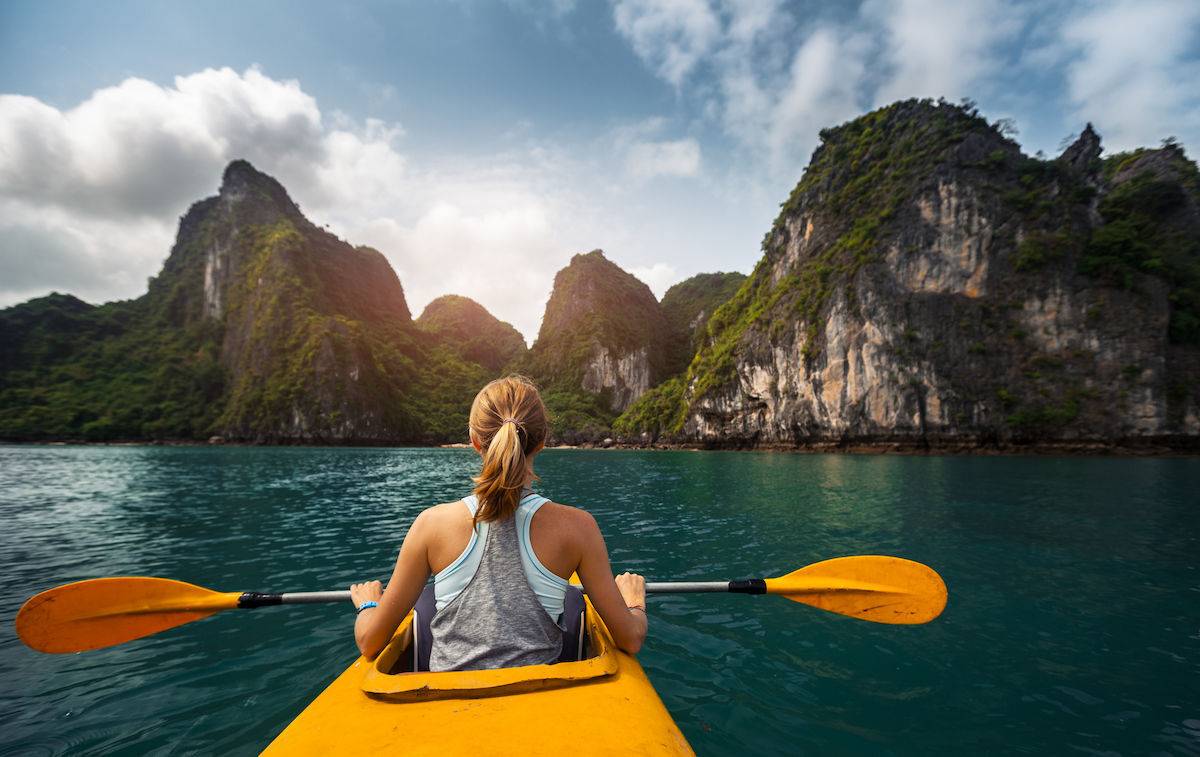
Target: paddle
<point>104,612</point>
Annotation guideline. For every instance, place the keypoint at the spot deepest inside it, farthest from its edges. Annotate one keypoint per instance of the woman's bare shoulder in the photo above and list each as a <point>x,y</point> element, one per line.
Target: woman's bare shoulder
<point>568,515</point>
<point>455,510</point>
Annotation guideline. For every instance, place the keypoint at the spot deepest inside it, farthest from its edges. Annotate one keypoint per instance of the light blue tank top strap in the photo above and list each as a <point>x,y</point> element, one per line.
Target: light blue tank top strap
<point>549,588</point>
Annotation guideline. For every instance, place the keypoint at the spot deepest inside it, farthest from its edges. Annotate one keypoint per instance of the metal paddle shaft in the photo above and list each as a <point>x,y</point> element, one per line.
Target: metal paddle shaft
<point>251,599</point>
<point>747,586</point>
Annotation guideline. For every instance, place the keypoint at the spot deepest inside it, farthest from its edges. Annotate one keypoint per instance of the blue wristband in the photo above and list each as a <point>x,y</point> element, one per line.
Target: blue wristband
<point>366,606</point>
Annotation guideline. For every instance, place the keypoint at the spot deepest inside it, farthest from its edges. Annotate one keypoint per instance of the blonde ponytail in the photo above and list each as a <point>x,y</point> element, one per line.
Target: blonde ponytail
<point>508,421</point>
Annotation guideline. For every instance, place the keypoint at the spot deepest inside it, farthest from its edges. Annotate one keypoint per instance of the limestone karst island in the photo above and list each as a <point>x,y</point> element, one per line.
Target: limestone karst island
<point>925,285</point>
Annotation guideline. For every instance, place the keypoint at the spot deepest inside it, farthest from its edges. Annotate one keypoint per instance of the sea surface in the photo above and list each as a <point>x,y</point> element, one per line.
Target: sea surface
<point>1073,625</point>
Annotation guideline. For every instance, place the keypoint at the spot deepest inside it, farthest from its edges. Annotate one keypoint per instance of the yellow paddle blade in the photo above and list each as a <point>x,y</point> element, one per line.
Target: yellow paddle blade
<point>103,612</point>
<point>869,587</point>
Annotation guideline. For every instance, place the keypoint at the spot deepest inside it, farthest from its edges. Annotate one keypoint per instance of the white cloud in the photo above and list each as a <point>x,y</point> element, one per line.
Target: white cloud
<point>1134,72</point>
<point>772,78</point>
<point>941,48</point>
<point>773,86</point>
<point>487,236</point>
<point>138,149</point>
<point>48,249</point>
<point>750,19</point>
<point>89,196</point>
<point>659,277</point>
<point>671,35</point>
<point>822,89</point>
<point>646,160</point>
<point>775,97</point>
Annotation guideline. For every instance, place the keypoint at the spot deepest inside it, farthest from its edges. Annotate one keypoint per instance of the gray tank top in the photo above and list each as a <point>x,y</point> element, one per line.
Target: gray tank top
<point>497,621</point>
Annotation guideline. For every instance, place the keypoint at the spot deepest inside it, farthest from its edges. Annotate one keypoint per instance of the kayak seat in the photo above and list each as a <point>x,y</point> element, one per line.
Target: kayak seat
<point>572,622</point>
<point>573,625</point>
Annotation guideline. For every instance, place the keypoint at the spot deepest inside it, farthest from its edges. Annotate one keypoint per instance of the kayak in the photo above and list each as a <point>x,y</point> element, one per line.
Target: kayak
<point>603,703</point>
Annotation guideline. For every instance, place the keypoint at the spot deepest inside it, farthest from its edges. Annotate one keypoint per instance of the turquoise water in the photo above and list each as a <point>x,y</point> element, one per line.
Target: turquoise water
<point>1073,624</point>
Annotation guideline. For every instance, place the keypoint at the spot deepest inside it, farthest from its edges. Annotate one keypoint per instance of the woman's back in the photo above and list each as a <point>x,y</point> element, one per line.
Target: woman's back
<point>554,534</point>
<point>549,587</point>
<point>497,605</point>
<point>501,557</point>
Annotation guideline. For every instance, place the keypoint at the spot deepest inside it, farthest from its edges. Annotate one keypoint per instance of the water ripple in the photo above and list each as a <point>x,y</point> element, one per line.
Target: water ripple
<point>1072,623</point>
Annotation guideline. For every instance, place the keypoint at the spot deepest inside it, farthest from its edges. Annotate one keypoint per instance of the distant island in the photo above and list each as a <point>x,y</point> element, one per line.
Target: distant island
<point>925,286</point>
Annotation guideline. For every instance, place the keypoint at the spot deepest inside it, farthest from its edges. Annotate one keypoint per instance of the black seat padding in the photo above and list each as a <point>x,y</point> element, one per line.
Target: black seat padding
<point>422,637</point>
<point>574,630</point>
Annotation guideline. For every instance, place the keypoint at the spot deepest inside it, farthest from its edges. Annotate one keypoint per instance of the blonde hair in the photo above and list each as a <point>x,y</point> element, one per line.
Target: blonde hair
<point>508,420</point>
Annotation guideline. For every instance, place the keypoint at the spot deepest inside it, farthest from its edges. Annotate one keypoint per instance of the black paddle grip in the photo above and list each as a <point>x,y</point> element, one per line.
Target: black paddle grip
<point>748,586</point>
<point>253,599</point>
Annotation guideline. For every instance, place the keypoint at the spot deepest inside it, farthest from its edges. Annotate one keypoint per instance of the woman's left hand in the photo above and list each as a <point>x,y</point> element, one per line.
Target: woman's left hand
<point>371,591</point>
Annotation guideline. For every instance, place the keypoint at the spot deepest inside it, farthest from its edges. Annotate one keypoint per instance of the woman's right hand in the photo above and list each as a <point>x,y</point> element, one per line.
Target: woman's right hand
<point>368,591</point>
<point>633,590</point>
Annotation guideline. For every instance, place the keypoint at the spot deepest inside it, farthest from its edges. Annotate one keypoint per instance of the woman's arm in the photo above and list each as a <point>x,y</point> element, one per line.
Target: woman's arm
<point>375,626</point>
<point>620,602</point>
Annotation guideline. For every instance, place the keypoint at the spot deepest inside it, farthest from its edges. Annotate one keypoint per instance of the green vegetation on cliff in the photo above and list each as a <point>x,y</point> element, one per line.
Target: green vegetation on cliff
<point>595,308</point>
<point>594,302</point>
<point>478,336</point>
<point>74,371</point>
<point>261,327</point>
<point>658,411</point>
<point>688,305</point>
<point>1151,216</point>
<point>860,176</point>
<point>872,197</point>
<point>314,353</point>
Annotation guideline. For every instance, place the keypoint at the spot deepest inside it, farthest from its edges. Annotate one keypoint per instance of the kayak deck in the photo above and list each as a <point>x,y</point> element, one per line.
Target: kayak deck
<point>602,704</point>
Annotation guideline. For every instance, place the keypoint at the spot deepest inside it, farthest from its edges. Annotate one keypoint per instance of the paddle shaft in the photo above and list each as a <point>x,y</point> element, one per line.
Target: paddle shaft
<point>745,586</point>
<point>252,599</point>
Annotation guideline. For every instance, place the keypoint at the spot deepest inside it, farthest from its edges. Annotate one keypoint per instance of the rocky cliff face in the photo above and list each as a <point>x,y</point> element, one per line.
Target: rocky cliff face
<point>309,323</point>
<point>260,327</point>
<point>623,377</point>
<point>603,333</point>
<point>928,284</point>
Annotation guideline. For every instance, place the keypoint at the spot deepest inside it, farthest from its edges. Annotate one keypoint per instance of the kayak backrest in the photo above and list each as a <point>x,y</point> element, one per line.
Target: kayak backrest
<point>422,637</point>
<point>572,622</point>
<point>573,625</point>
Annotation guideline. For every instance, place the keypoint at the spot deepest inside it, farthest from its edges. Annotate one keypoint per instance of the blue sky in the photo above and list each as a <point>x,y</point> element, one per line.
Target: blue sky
<point>480,144</point>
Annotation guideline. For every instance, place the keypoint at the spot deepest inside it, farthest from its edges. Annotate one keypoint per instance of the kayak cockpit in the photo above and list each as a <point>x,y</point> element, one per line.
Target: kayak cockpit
<point>396,675</point>
<point>602,704</point>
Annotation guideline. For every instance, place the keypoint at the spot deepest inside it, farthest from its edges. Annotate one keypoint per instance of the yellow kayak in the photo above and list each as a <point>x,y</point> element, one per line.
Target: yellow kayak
<point>602,704</point>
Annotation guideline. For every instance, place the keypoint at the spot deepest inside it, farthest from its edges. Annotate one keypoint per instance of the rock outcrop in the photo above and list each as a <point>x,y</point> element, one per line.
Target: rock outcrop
<point>307,319</point>
<point>260,327</point>
<point>926,284</point>
<point>603,333</point>
<point>1083,155</point>
<point>623,377</point>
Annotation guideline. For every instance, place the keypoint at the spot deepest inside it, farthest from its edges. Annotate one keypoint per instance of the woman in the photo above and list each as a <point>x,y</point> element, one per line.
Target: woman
<point>501,557</point>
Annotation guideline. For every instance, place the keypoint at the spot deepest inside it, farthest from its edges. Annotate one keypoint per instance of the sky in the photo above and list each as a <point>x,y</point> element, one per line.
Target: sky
<point>479,145</point>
